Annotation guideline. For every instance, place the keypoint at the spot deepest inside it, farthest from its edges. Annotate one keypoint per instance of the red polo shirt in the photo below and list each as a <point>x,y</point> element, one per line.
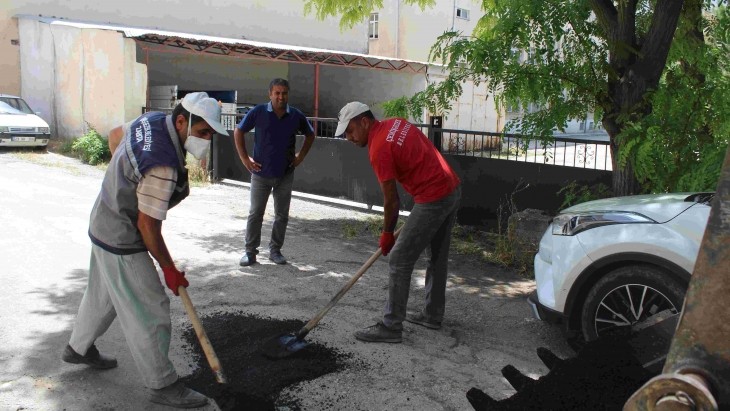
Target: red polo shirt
<point>399,150</point>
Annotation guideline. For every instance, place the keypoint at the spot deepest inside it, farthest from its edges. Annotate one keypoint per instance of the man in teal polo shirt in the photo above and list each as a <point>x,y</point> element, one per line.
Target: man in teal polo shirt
<point>272,165</point>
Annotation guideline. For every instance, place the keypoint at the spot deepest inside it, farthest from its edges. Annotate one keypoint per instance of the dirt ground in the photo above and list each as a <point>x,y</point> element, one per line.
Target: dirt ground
<point>487,325</point>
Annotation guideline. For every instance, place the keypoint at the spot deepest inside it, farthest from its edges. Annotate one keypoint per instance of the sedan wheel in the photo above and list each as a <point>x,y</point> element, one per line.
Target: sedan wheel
<point>628,296</point>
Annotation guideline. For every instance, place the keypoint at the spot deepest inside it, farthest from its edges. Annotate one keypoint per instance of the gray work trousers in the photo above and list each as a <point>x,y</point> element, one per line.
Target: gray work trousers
<point>260,188</point>
<point>427,228</point>
<point>128,287</point>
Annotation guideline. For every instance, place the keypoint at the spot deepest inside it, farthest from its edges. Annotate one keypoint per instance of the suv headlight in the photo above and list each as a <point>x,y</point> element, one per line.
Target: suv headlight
<point>574,223</point>
<point>4,129</point>
<point>43,130</point>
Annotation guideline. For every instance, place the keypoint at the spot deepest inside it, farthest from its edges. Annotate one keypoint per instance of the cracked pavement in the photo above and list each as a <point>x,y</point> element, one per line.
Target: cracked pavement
<point>46,199</point>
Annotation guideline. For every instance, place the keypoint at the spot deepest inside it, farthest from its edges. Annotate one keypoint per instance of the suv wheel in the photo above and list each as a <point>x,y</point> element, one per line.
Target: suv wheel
<point>627,296</point>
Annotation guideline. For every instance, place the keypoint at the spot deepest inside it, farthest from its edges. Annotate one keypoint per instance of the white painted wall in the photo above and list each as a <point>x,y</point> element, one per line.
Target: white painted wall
<point>79,76</point>
<point>406,31</point>
<point>38,83</point>
<point>9,53</point>
<point>276,21</point>
<point>473,110</point>
<point>416,30</point>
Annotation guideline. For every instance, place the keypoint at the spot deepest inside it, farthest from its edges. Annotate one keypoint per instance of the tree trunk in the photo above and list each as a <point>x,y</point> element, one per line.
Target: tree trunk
<point>637,66</point>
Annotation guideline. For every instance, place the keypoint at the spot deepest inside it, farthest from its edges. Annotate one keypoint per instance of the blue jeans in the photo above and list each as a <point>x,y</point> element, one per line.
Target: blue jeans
<point>260,189</point>
<point>427,228</point>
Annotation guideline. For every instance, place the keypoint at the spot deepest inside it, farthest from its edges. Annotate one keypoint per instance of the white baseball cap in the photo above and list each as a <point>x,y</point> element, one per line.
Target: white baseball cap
<point>206,107</point>
<point>350,111</point>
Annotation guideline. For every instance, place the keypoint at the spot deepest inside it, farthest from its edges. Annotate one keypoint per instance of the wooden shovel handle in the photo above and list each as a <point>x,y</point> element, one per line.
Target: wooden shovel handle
<point>215,365</point>
<point>318,317</point>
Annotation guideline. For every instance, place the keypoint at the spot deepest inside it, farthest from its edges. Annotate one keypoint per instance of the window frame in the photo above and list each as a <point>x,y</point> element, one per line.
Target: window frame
<point>373,26</point>
<point>465,13</point>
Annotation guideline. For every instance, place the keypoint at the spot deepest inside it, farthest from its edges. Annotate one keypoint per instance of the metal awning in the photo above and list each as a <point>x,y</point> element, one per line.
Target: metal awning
<point>159,40</point>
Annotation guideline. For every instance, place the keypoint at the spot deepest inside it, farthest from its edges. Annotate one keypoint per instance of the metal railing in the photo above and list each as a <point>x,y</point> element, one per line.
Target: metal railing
<point>561,151</point>
<point>324,127</point>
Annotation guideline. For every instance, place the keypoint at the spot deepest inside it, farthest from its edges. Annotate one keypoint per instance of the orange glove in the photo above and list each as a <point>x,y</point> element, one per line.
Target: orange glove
<point>174,279</point>
<point>387,241</point>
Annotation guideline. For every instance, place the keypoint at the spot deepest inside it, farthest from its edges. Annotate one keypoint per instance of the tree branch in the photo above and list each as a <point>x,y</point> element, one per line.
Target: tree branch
<point>655,49</point>
<point>606,14</point>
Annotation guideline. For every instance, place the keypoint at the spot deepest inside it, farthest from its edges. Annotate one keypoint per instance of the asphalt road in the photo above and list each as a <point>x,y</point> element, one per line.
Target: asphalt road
<point>45,200</point>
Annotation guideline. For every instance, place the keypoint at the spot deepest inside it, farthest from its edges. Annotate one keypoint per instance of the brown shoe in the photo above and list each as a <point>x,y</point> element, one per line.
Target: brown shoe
<point>93,358</point>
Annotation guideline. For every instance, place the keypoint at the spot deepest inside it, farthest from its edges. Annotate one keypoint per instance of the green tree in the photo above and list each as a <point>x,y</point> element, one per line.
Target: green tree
<point>602,56</point>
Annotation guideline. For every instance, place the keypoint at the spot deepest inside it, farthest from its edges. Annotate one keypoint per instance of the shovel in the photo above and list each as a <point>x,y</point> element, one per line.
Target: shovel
<point>215,365</point>
<point>286,345</point>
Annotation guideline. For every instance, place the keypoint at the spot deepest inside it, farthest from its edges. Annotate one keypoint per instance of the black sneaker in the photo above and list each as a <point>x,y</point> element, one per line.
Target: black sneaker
<point>275,256</point>
<point>93,358</point>
<point>379,333</point>
<point>179,396</point>
<point>247,259</point>
<point>421,319</point>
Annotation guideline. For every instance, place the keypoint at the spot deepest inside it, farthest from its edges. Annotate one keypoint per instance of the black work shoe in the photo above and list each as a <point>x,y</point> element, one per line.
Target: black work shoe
<point>179,396</point>
<point>247,259</point>
<point>275,256</point>
<point>421,319</point>
<point>93,358</point>
<point>379,333</point>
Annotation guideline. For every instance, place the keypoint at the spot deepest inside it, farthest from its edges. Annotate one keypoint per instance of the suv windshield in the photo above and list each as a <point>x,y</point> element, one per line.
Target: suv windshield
<point>17,103</point>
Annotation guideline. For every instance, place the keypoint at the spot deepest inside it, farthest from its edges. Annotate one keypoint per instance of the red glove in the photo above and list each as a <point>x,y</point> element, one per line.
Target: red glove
<point>174,278</point>
<point>386,242</point>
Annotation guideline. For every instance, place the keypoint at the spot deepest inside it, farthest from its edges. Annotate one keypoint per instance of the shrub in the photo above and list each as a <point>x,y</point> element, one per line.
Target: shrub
<point>92,148</point>
<point>197,173</point>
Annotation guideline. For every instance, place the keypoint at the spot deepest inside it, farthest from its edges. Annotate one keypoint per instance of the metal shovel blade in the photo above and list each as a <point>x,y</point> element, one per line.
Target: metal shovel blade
<point>283,346</point>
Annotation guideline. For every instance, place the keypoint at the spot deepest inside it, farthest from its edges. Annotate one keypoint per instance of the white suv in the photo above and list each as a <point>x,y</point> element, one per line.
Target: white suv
<point>19,125</point>
<point>617,262</point>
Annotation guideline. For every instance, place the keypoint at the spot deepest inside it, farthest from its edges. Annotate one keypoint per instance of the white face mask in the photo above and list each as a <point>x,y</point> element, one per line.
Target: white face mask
<point>196,146</point>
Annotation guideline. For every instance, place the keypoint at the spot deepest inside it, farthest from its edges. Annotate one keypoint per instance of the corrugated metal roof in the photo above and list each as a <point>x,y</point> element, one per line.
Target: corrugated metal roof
<point>231,46</point>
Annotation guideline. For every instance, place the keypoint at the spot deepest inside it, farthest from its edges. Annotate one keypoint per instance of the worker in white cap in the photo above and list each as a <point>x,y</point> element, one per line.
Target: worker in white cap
<point>145,177</point>
<point>400,152</point>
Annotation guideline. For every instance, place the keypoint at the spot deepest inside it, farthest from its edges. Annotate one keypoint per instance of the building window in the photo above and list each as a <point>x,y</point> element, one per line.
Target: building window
<point>462,13</point>
<point>373,26</point>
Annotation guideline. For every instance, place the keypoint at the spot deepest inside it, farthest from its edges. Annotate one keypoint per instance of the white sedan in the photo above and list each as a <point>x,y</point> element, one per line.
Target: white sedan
<point>617,262</point>
<point>20,126</point>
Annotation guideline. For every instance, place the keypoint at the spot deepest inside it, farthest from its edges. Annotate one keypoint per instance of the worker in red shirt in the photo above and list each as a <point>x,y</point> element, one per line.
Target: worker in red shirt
<point>400,152</point>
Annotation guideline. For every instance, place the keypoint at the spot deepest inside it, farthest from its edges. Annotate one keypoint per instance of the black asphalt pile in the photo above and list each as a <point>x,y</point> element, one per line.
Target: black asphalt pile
<point>602,376</point>
<point>254,381</point>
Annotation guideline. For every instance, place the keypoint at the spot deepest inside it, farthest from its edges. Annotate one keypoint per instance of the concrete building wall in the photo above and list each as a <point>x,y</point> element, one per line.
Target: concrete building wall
<point>9,52</point>
<point>301,92</point>
<point>280,21</point>
<point>135,81</point>
<point>473,110</point>
<point>104,79</point>
<point>38,81</point>
<point>249,77</point>
<point>407,32</point>
<point>372,87</point>
<point>78,76</point>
